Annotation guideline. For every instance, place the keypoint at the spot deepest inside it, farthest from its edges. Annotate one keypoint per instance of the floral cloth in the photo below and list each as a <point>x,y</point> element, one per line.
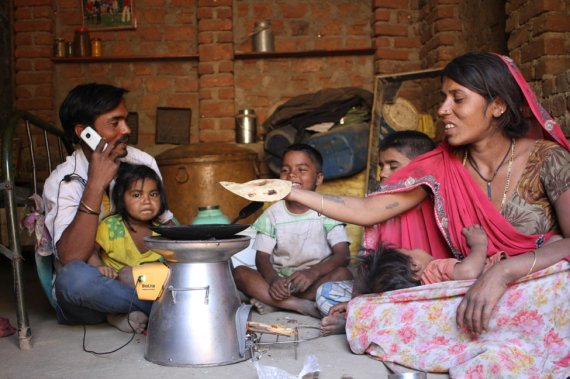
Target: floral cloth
<point>34,223</point>
<point>415,327</point>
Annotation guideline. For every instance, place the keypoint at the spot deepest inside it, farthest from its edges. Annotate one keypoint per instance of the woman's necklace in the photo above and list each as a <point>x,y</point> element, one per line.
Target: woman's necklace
<point>508,180</point>
<point>490,180</point>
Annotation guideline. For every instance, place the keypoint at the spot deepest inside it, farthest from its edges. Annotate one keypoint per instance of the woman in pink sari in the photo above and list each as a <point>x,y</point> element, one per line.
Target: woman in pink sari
<point>504,165</point>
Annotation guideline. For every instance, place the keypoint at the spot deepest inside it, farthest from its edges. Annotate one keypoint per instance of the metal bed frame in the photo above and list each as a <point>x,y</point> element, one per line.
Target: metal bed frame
<point>53,138</point>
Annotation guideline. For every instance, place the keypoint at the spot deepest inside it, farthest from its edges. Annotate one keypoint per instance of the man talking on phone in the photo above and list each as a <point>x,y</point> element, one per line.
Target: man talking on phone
<point>76,197</point>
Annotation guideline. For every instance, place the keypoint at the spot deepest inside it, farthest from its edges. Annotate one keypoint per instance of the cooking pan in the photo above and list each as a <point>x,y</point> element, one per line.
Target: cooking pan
<point>208,231</point>
<point>199,232</point>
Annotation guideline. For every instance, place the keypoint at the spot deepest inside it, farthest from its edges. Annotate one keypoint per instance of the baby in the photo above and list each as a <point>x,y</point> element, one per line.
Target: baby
<point>391,269</point>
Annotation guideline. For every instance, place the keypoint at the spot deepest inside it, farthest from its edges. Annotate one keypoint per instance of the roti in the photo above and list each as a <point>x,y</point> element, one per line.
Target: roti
<point>265,190</point>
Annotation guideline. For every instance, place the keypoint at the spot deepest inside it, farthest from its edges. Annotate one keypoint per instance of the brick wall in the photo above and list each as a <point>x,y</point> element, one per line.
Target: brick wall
<point>216,70</point>
<point>539,42</point>
<point>450,29</point>
<point>395,34</point>
<point>407,34</point>
<point>264,84</point>
<point>33,39</point>
<point>214,85</point>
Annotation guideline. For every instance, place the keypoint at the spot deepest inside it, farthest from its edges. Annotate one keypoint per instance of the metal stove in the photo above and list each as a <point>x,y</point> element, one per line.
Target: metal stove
<point>198,319</point>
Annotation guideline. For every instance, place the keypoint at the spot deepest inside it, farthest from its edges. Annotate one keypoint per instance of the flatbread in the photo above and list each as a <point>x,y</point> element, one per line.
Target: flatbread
<point>266,190</point>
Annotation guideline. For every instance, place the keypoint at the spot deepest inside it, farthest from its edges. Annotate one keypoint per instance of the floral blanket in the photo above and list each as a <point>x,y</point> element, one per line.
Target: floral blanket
<point>528,336</point>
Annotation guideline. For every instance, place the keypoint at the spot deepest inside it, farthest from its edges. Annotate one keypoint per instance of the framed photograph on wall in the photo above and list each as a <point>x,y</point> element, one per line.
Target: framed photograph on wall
<point>108,14</point>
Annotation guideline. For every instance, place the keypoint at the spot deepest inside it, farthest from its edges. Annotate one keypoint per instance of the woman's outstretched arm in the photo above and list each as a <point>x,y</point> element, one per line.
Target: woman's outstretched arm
<point>363,211</point>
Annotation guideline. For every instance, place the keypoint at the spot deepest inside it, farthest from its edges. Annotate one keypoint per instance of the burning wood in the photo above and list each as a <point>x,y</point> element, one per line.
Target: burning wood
<point>259,327</point>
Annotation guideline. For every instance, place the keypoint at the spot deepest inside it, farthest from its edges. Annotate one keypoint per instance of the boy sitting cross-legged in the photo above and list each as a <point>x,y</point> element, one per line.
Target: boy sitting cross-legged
<point>297,248</point>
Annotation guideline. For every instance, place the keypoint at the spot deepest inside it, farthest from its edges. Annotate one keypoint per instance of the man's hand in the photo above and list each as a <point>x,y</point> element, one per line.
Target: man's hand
<point>104,163</point>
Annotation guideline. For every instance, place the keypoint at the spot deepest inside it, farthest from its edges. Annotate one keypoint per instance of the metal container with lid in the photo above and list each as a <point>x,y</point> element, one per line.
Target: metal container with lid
<point>191,176</point>
<point>82,42</point>
<point>96,47</point>
<point>262,36</point>
<point>246,126</point>
<point>59,50</point>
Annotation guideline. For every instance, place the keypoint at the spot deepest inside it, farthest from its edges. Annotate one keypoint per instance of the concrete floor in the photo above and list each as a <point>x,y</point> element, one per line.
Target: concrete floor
<point>57,350</point>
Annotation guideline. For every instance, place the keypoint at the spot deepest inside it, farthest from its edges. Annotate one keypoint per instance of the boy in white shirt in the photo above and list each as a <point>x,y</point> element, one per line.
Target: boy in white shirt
<point>297,248</point>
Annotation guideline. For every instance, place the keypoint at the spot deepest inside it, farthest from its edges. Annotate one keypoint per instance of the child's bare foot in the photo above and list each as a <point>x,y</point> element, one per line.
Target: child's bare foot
<point>475,237</point>
<point>261,307</point>
<point>302,306</point>
<point>243,297</point>
<point>333,324</point>
<point>308,308</point>
<point>136,319</point>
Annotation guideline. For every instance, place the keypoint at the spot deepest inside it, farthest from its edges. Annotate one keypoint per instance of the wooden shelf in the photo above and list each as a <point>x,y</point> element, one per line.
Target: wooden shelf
<point>126,58</point>
<point>304,54</point>
<point>238,55</point>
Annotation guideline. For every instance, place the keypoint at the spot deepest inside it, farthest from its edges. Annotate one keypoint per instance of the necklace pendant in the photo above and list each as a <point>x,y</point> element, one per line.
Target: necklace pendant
<point>489,190</point>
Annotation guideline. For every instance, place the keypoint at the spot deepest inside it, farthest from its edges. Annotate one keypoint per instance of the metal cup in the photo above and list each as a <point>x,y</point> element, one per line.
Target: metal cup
<point>262,38</point>
<point>246,125</point>
<point>408,375</point>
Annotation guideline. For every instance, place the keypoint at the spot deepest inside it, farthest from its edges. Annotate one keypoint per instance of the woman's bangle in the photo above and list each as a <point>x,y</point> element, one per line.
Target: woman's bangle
<point>322,205</point>
<point>533,263</point>
<point>89,210</point>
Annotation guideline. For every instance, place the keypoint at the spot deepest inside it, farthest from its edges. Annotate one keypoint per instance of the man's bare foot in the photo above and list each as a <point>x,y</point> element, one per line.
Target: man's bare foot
<point>333,324</point>
<point>136,320</point>
<point>261,307</point>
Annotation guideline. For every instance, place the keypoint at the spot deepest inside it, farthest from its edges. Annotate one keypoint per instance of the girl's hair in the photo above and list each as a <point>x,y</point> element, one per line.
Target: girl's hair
<point>487,75</point>
<point>129,174</point>
<point>385,270</point>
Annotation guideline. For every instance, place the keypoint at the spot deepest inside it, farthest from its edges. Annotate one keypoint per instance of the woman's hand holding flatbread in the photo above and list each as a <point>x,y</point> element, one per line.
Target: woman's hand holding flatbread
<point>266,190</point>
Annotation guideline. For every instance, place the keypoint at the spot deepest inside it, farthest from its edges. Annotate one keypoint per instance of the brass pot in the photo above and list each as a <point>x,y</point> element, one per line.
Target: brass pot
<point>192,173</point>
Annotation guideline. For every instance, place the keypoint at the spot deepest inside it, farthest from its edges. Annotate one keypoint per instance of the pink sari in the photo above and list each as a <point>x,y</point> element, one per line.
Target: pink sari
<point>416,327</point>
<point>436,224</point>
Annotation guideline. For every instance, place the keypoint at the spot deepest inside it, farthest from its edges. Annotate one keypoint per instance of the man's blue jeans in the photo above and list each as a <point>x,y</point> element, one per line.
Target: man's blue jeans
<point>85,296</point>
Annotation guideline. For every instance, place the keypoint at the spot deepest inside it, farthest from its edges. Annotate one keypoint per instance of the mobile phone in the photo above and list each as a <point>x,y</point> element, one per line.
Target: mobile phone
<point>91,138</point>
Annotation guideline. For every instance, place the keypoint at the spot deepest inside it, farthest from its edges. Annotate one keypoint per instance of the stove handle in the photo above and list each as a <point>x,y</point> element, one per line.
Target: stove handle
<point>206,288</point>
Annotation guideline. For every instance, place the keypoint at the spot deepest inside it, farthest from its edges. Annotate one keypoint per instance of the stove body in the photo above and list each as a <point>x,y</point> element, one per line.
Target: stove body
<point>198,319</point>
